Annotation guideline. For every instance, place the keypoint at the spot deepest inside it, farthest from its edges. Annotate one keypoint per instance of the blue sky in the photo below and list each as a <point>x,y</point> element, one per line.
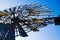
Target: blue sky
<point>51,32</point>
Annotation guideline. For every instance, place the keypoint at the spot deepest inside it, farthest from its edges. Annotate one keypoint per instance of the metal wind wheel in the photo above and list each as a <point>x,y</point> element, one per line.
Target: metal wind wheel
<point>23,19</point>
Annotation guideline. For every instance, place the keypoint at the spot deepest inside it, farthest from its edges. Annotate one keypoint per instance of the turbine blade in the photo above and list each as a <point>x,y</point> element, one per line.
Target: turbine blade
<point>19,7</point>
<point>21,31</point>
<point>2,14</point>
<point>14,9</point>
<point>6,11</point>
<point>10,9</point>
<point>33,28</point>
